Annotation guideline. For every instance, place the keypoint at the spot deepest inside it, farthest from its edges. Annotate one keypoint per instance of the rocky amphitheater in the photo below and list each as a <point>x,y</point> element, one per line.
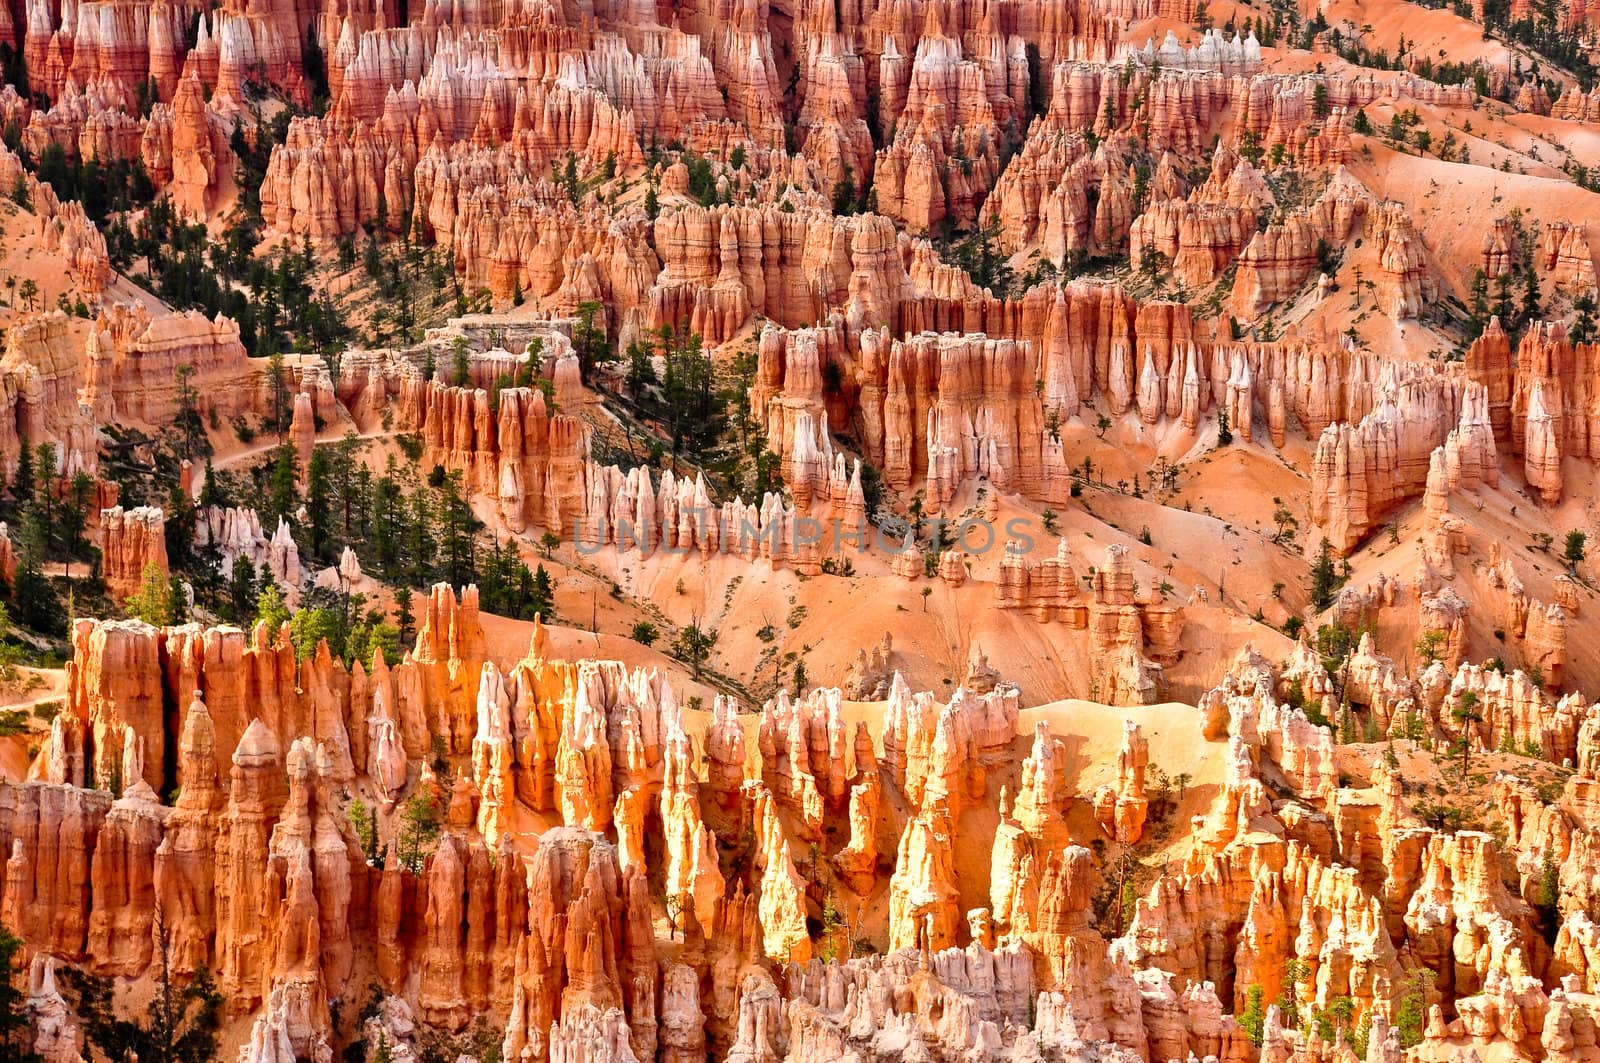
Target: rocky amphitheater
<point>930,531</point>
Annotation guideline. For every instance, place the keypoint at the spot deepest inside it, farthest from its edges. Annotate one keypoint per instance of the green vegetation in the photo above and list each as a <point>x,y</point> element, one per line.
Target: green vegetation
<point>16,1039</point>
<point>421,821</point>
<point>1254,1015</point>
<point>180,1024</point>
<point>1411,1015</point>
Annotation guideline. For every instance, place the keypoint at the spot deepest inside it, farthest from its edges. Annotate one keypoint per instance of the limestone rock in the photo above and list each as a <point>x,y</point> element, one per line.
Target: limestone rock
<point>132,541</point>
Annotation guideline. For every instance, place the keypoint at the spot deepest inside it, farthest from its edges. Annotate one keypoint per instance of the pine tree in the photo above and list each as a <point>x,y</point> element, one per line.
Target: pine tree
<point>177,601</point>
<point>420,823</point>
<point>280,391</point>
<point>318,504</point>
<point>181,525</point>
<point>270,609</point>
<point>310,627</point>
<point>16,1041</point>
<point>284,495</point>
<point>694,645</point>
<point>34,603</point>
<point>75,513</point>
<point>403,619</point>
<point>152,601</point>
<point>589,339</point>
<point>458,530</point>
<point>22,484</point>
<point>188,421</point>
<point>421,545</point>
<point>45,507</point>
<point>242,592</point>
<point>1224,433</point>
<point>542,595</point>
<point>1547,896</point>
<point>1532,304</point>
<point>1504,308</point>
<point>1324,577</point>
<point>844,194</point>
<point>1253,1017</point>
<point>569,178</point>
<point>1411,1017</point>
<point>365,823</point>
<point>180,1024</point>
<point>1480,305</point>
<point>532,364</point>
<point>1583,321</point>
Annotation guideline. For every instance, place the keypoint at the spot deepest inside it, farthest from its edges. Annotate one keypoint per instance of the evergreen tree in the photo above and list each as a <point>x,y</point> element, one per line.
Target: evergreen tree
<point>421,545</point>
<point>1224,433</point>
<point>311,626</point>
<point>694,645</point>
<point>191,427</point>
<point>45,508</point>
<point>75,514</point>
<point>388,523</point>
<point>318,504</point>
<point>457,531</point>
<point>285,495</point>
<point>280,390</point>
<point>532,363</point>
<point>589,340</point>
<point>181,525</point>
<point>1583,321</point>
<point>403,619</point>
<point>569,178</point>
<point>22,484</point>
<point>844,194</point>
<point>1575,547</point>
<point>270,608</point>
<point>541,595</point>
<point>1324,577</point>
<point>641,372</point>
<point>177,601</point>
<point>180,1024</point>
<point>152,602</point>
<point>34,603</point>
<point>692,410</point>
<point>1532,304</point>
<point>1252,1019</point>
<point>16,1040</point>
<point>1547,896</point>
<point>420,824</point>
<point>1411,1017</point>
<point>243,592</point>
<point>1480,305</point>
<point>1504,308</point>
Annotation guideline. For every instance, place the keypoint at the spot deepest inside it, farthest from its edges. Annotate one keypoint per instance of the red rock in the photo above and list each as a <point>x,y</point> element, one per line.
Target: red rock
<point>131,541</point>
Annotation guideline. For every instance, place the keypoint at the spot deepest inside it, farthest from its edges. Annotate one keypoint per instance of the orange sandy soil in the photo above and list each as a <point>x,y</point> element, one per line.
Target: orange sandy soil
<point>33,687</point>
<point>21,260</point>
